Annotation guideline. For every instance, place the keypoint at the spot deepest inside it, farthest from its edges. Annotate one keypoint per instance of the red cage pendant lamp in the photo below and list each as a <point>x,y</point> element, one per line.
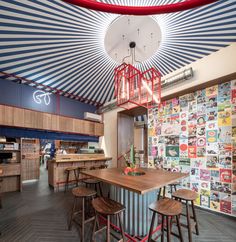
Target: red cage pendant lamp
<point>134,88</point>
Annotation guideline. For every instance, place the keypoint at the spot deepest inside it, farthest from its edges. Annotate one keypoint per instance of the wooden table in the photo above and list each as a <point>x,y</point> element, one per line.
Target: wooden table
<point>151,180</point>
<point>136,193</point>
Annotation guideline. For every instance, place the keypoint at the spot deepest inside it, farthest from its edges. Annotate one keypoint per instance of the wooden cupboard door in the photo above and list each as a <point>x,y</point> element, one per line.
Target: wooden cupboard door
<point>30,162</point>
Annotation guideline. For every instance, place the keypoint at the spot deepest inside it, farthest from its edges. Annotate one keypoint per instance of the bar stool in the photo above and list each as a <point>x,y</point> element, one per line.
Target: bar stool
<point>81,193</point>
<point>173,186</point>
<point>93,182</point>
<point>107,207</point>
<point>167,208</point>
<point>188,196</point>
<point>68,170</point>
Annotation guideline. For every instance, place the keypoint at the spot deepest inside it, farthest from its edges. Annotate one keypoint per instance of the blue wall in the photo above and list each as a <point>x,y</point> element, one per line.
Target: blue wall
<point>20,95</point>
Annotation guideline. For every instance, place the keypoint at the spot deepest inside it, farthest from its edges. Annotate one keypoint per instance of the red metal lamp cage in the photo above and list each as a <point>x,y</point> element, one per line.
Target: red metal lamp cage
<point>134,88</point>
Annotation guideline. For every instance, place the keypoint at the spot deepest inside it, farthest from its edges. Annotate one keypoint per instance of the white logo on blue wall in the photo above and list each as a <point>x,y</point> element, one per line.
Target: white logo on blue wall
<point>41,97</point>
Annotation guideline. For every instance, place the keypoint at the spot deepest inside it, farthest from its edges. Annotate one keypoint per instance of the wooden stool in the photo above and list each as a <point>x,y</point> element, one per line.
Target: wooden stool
<point>67,171</point>
<point>188,196</point>
<point>94,182</point>
<point>163,189</point>
<point>167,208</point>
<point>107,207</point>
<point>81,193</point>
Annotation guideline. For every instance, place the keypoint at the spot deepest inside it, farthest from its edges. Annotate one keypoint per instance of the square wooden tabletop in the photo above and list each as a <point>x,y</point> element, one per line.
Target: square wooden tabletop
<point>151,180</point>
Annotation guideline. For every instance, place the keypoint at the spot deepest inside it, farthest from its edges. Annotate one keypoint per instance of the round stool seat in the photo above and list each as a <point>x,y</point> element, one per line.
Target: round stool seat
<point>83,192</point>
<point>71,168</point>
<point>167,207</point>
<point>91,181</point>
<point>185,194</point>
<point>107,206</point>
<point>174,184</point>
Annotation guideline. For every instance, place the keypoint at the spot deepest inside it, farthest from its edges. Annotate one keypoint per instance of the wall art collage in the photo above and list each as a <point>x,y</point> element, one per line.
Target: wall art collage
<point>196,133</point>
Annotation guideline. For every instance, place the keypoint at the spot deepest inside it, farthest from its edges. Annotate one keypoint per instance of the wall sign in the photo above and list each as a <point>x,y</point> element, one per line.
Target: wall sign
<point>41,97</point>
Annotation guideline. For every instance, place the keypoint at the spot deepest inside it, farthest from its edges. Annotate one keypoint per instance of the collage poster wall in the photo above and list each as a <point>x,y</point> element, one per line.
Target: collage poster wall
<point>196,133</point>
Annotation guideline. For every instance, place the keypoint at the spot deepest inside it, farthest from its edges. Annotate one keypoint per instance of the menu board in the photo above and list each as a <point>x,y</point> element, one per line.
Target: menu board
<point>196,133</point>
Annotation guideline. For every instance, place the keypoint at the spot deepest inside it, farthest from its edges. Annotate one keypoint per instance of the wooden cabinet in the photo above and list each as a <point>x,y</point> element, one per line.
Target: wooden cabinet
<point>10,166</point>
<point>18,117</point>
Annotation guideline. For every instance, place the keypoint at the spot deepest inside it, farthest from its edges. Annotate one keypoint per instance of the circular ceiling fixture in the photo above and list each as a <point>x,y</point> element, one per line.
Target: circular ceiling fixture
<point>124,30</point>
<point>137,10</point>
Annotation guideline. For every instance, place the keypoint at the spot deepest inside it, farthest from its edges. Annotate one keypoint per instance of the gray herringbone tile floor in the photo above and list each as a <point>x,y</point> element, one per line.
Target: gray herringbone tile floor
<point>39,215</point>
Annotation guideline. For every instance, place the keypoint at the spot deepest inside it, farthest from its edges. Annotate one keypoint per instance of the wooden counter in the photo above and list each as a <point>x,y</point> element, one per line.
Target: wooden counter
<point>57,166</point>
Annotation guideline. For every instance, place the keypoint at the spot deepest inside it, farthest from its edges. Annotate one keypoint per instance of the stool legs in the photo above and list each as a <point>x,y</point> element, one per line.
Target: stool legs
<point>72,213</point>
<point>121,227</point>
<point>179,229</point>
<point>168,228</point>
<point>67,180</point>
<point>159,193</point>
<point>151,227</point>
<point>188,222</point>
<point>195,218</point>
<point>162,228</point>
<point>83,220</point>
<point>108,229</point>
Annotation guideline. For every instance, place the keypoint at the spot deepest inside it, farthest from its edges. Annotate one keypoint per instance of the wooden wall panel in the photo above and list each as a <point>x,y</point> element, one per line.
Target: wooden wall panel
<point>18,117</point>
<point>8,115</point>
<point>54,122</point>
<point>47,121</point>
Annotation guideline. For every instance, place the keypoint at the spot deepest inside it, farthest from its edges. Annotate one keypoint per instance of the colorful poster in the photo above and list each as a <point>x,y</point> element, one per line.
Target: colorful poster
<point>172,151</point>
<point>225,206</point>
<point>201,152</point>
<point>225,134</point>
<point>198,162</point>
<point>226,175</point>
<point>224,118</point>
<point>212,162</point>
<point>192,151</point>
<point>184,162</point>
<point>211,136</point>
<point>215,176</point>
<point>169,129</point>
<point>212,91</point>
<point>183,148</point>
<point>205,175</point>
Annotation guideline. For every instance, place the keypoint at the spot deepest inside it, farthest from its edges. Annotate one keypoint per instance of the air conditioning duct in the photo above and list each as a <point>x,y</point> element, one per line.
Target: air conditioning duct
<point>181,76</point>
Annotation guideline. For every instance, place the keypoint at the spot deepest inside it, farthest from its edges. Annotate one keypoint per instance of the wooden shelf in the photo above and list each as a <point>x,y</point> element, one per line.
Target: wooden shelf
<point>8,151</point>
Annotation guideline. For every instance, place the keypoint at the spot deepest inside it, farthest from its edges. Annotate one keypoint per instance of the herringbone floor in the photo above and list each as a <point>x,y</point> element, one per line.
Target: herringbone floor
<point>39,215</point>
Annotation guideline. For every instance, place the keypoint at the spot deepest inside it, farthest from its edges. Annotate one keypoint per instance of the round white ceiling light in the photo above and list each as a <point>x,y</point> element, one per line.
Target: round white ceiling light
<point>143,30</point>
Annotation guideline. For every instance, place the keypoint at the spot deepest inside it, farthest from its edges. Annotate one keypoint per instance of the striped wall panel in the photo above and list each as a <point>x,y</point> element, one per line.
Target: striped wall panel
<point>62,46</point>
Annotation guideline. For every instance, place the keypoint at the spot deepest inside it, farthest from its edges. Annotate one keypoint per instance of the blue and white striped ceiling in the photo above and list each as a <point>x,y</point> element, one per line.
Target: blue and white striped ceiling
<point>62,46</point>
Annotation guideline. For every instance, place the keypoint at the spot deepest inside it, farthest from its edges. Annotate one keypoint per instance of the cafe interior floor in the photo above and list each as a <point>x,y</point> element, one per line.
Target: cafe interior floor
<point>38,214</point>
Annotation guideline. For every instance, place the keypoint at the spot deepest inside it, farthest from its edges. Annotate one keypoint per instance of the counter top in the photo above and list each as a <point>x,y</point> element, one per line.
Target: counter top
<point>65,160</point>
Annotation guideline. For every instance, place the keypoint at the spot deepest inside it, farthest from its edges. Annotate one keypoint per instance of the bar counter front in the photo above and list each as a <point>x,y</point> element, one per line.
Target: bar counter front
<point>57,166</point>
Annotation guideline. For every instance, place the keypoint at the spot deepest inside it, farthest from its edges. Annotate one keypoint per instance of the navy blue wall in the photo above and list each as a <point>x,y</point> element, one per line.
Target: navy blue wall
<point>20,95</point>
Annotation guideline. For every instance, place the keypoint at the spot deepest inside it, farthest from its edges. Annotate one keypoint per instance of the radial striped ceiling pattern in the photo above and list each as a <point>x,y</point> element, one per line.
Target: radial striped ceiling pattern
<point>61,46</point>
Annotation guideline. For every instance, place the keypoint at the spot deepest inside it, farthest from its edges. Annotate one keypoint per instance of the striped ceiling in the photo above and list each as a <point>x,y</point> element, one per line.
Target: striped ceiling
<point>62,46</point>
